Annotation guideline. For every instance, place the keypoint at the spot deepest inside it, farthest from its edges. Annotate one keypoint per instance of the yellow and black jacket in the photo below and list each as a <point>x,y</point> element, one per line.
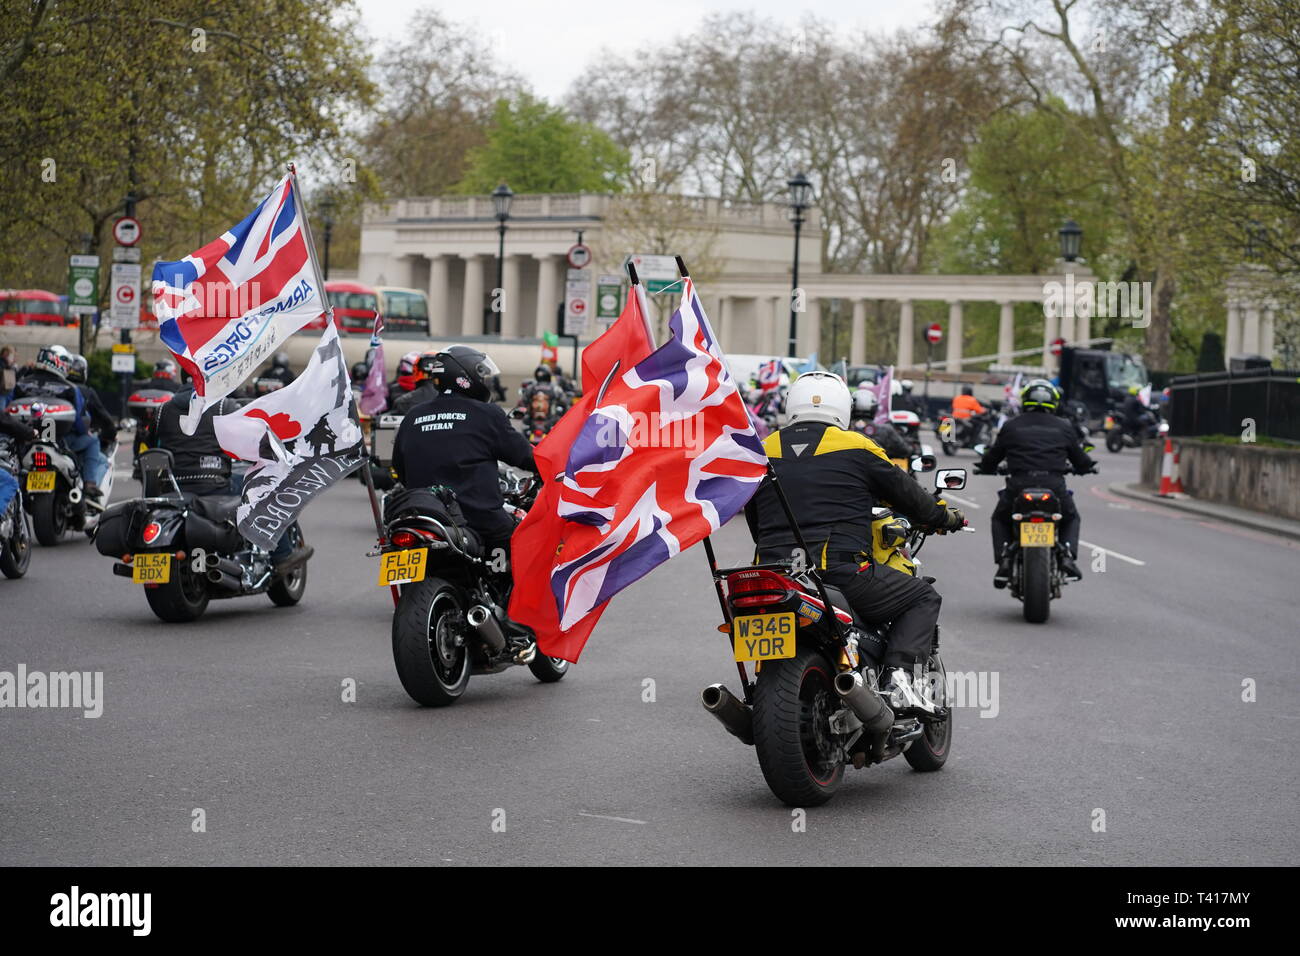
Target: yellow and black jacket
<point>832,479</point>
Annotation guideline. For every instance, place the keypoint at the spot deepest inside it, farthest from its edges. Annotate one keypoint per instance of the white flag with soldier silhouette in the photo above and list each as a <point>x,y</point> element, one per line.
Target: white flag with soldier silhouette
<point>301,438</point>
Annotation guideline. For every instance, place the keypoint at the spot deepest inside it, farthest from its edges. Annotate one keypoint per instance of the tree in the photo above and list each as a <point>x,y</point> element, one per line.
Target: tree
<point>539,148</point>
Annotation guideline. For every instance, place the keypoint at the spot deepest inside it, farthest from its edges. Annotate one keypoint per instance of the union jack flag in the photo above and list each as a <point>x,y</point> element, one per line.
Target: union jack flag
<point>667,456</point>
<point>223,309</point>
<point>769,375</point>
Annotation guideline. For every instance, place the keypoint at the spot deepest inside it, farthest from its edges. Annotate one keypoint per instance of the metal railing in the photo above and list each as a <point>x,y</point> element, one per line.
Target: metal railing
<point>1229,403</point>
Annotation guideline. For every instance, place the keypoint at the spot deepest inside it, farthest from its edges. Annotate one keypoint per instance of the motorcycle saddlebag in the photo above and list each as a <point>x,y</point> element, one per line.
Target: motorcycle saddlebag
<point>119,526</point>
<point>212,536</point>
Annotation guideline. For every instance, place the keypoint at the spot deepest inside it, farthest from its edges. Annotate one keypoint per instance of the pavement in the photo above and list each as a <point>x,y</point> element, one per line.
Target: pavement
<point>1274,524</point>
<point>1152,720</point>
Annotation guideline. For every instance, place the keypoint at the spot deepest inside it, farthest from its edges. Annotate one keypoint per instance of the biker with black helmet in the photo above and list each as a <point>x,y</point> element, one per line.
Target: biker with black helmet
<point>457,437</point>
<point>543,400</point>
<point>424,388</point>
<point>279,369</point>
<point>166,376</point>
<point>1040,449</point>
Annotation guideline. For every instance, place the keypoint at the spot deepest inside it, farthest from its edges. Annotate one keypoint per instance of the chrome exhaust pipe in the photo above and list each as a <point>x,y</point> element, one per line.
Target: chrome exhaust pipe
<point>864,701</point>
<point>731,712</point>
<point>486,627</point>
<point>74,496</point>
<point>225,572</point>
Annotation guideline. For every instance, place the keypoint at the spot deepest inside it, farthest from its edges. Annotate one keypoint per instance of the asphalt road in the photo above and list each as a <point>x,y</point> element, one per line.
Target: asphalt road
<point>1128,701</point>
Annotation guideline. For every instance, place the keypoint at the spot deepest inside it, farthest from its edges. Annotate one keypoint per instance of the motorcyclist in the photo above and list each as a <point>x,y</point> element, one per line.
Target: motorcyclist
<point>166,377</point>
<point>404,381</point>
<point>832,478</point>
<point>279,369</point>
<point>865,404</point>
<point>906,401</point>
<point>457,437</point>
<point>964,406</point>
<point>543,399</point>
<point>1040,448</point>
<point>424,389</point>
<point>1135,417</point>
<point>49,375</point>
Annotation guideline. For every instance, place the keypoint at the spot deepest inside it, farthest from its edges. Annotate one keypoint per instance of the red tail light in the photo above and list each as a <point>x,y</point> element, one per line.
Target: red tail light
<point>40,459</point>
<point>405,539</point>
<point>151,532</point>
<point>756,588</point>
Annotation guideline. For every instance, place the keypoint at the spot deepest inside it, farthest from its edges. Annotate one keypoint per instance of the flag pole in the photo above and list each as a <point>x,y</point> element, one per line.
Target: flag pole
<point>329,312</point>
<point>639,291</point>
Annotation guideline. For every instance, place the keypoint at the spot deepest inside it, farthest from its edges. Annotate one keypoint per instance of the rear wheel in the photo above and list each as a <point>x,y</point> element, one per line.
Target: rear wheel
<point>182,599</point>
<point>429,646</point>
<point>930,751</point>
<point>1037,590</point>
<point>793,701</point>
<point>48,518</point>
<point>288,590</point>
<point>1114,440</point>
<point>16,553</point>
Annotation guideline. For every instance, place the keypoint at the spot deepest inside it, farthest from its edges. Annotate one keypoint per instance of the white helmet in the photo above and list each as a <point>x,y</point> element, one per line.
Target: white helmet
<point>865,399</point>
<point>819,397</point>
<point>907,384</point>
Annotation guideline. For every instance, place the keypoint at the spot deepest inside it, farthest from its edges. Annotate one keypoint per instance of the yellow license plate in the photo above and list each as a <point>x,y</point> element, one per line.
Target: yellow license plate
<point>151,568</point>
<point>764,637</point>
<point>1040,534</point>
<point>403,567</point>
<point>41,480</point>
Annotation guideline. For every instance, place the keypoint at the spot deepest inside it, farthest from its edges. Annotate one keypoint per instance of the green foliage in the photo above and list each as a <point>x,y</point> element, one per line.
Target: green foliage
<point>100,375</point>
<point>539,148</point>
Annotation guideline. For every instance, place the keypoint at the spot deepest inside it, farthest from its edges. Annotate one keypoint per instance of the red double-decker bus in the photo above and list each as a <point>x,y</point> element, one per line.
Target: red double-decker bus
<point>31,307</point>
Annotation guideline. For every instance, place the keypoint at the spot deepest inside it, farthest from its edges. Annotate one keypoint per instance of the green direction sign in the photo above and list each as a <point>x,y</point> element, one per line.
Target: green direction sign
<point>656,273</point>
<point>609,297</point>
<point>83,285</point>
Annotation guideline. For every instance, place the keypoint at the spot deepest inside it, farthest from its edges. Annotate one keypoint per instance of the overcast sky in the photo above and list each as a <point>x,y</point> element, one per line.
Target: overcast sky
<point>550,47</point>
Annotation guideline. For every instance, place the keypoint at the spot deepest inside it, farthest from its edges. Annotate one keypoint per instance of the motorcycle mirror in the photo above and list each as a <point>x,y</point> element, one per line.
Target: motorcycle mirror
<point>950,479</point>
<point>923,463</point>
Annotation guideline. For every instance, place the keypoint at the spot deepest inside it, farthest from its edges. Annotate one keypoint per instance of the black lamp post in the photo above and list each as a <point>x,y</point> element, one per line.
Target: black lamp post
<point>1071,239</point>
<point>502,196</point>
<point>800,200</point>
<point>327,216</point>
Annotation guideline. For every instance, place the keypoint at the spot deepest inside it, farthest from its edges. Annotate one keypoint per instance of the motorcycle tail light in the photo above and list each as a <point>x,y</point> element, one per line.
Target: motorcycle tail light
<point>151,532</point>
<point>40,459</point>
<point>1037,519</point>
<point>756,588</point>
<point>405,539</point>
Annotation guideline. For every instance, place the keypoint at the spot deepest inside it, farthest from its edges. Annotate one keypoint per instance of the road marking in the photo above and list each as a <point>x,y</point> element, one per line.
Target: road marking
<point>601,816</point>
<point>962,501</point>
<point>1113,554</point>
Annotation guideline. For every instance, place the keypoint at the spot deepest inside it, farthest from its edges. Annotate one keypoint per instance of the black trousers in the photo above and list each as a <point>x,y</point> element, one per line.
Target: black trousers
<point>1001,520</point>
<point>879,595</point>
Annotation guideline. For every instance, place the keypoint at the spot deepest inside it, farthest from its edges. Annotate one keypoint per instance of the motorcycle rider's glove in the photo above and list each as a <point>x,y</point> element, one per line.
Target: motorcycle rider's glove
<point>954,520</point>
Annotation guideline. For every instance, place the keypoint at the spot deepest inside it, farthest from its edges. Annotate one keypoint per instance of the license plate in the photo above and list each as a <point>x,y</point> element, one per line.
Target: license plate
<point>403,567</point>
<point>764,637</point>
<point>1041,534</point>
<point>40,480</point>
<point>151,568</point>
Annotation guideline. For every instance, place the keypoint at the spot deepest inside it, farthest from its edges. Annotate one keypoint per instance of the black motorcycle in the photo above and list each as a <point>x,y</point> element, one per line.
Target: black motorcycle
<point>186,550</point>
<point>52,486</point>
<point>15,531</point>
<point>1121,434</point>
<point>450,619</point>
<point>956,434</point>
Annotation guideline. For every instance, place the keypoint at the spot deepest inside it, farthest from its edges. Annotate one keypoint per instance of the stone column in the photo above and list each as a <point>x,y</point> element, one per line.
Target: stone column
<point>1083,331</point>
<point>810,329</point>
<point>510,296</point>
<point>1250,333</point>
<point>1232,336</point>
<point>1266,335</point>
<point>1006,332</point>
<point>725,311</point>
<point>858,336</point>
<point>906,334</point>
<point>953,357</point>
<point>1067,324</point>
<point>776,341</point>
<point>1049,336</point>
<point>548,293</point>
<point>440,323</point>
<point>764,311</point>
<point>471,313</point>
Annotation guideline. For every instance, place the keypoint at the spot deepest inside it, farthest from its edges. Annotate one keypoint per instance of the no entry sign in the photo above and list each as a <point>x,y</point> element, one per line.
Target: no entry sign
<point>934,333</point>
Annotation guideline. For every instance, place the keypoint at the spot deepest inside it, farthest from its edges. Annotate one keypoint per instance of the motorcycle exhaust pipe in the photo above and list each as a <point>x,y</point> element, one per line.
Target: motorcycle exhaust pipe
<point>731,712</point>
<point>224,572</point>
<point>486,627</point>
<point>74,496</point>
<point>868,705</point>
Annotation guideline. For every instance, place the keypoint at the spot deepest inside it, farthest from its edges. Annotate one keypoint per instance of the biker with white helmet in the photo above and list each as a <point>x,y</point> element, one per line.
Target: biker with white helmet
<point>833,477</point>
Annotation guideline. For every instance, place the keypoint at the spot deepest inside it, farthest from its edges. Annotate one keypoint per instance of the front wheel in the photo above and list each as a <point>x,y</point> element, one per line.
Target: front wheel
<point>429,643</point>
<point>793,702</point>
<point>16,553</point>
<point>1037,590</point>
<point>949,448</point>
<point>548,670</point>
<point>1114,440</point>
<point>48,518</point>
<point>929,752</point>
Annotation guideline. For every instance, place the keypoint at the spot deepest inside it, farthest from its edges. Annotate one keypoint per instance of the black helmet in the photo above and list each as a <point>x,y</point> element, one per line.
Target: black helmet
<point>1040,395</point>
<point>359,371</point>
<point>465,370</point>
<point>542,374</point>
<point>967,390</point>
<point>78,368</point>
<point>281,360</point>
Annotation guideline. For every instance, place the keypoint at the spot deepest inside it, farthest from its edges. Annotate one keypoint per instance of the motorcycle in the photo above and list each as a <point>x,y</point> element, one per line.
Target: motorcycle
<point>812,707</point>
<point>15,529</point>
<point>955,435</point>
<point>144,404</point>
<point>908,425</point>
<point>52,486</point>
<point>186,550</point>
<point>1120,436</point>
<point>449,621</point>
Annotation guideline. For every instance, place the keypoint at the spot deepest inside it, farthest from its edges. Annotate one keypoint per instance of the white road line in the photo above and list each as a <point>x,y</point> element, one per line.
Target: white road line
<point>601,816</point>
<point>1115,554</point>
<point>961,501</point>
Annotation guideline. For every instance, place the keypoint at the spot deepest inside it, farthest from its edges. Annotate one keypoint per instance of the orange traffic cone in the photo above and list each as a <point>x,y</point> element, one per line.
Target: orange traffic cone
<point>1171,481</point>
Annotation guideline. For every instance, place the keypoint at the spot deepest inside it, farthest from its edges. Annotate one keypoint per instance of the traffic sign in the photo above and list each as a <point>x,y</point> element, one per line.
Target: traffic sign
<point>83,285</point>
<point>609,295</point>
<point>124,296</point>
<point>126,253</point>
<point>656,273</point>
<point>126,231</point>
<point>1057,345</point>
<point>577,302</point>
<point>579,256</point>
<point>934,333</point>
<point>123,357</point>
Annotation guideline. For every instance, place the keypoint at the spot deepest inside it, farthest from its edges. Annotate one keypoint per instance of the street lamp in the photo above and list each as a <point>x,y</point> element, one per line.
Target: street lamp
<point>1071,239</point>
<point>327,216</point>
<point>502,196</point>
<point>800,200</point>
